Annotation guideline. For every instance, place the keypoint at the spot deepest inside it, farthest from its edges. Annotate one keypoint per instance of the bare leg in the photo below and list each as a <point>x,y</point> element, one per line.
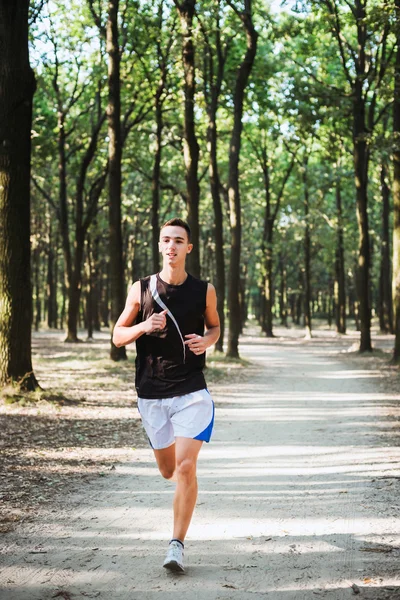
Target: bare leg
<point>186,452</point>
<point>178,462</point>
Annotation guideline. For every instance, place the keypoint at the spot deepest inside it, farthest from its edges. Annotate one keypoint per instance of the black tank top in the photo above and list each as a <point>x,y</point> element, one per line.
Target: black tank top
<point>164,366</point>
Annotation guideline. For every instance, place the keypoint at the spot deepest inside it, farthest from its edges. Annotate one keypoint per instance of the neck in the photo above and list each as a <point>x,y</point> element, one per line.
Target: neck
<point>173,275</point>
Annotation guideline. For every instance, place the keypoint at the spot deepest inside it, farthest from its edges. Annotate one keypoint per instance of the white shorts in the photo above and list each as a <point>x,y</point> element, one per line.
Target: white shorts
<point>190,416</point>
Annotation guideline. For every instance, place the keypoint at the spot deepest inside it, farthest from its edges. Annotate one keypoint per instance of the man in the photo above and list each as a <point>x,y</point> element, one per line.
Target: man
<point>170,310</point>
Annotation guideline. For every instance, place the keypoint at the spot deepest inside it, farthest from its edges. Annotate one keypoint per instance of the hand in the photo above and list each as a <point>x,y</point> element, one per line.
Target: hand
<point>156,322</point>
<point>197,344</point>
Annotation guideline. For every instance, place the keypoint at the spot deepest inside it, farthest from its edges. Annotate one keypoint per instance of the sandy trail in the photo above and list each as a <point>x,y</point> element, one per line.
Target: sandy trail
<point>298,499</point>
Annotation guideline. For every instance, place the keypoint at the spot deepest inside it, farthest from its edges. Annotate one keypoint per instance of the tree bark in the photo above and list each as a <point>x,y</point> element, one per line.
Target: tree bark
<point>155,186</point>
<point>17,86</point>
<point>283,300</point>
<point>218,225</point>
<point>396,192</point>
<point>117,290</point>
<point>307,252</point>
<point>385,291</point>
<point>159,99</point>
<point>339,285</point>
<point>267,325</point>
<point>233,181</point>
<point>51,282</point>
<point>186,11</point>
<point>89,290</point>
<point>37,286</point>
<point>213,76</point>
<point>96,285</point>
<point>361,160</point>
<point>190,144</point>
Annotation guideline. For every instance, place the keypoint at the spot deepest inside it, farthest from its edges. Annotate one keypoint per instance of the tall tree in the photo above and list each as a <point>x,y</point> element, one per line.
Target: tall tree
<point>339,285</point>
<point>396,190</point>
<point>214,65</point>
<point>17,86</point>
<point>362,40</point>
<point>163,48</point>
<point>274,191</point>
<point>242,78</point>
<point>385,291</point>
<point>117,288</point>
<point>186,12</point>
<point>307,246</point>
<point>115,141</point>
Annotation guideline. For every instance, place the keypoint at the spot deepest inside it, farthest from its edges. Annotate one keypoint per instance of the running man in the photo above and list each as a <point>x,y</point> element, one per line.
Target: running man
<point>165,314</point>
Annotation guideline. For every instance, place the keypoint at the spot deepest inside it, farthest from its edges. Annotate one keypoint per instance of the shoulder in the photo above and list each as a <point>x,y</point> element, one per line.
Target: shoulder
<point>138,288</point>
<point>134,293</point>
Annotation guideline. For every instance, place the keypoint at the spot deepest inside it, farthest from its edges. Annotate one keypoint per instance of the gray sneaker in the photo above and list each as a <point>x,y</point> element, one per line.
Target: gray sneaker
<point>174,559</point>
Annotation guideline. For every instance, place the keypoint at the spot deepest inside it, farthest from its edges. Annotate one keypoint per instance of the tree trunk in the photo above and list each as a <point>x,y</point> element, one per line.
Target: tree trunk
<point>213,78</point>
<point>268,291</point>
<point>74,295</point>
<point>38,304</point>
<point>283,300</point>
<point>330,302</point>
<point>243,303</point>
<point>17,86</point>
<point>155,186</point>
<point>117,291</point>
<point>361,161</point>
<point>186,11</point>
<point>385,291</point>
<point>89,291</point>
<point>339,285</point>
<point>396,193</point>
<point>162,56</point>
<point>51,283</point>
<point>218,220</point>
<point>307,254</point>
<point>233,182</point>
<point>96,285</point>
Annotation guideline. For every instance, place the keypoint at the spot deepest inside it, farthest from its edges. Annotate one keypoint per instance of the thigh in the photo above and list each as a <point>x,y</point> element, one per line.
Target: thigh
<point>187,449</point>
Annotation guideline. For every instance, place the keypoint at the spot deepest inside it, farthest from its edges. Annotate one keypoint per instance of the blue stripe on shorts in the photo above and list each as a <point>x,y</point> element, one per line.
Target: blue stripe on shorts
<point>205,435</point>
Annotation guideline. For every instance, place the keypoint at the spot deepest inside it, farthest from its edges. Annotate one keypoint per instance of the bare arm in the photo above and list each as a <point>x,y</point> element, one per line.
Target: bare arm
<point>197,343</point>
<point>124,332</point>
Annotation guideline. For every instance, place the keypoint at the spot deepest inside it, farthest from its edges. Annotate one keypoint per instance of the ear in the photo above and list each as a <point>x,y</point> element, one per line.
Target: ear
<point>189,248</point>
<point>159,247</point>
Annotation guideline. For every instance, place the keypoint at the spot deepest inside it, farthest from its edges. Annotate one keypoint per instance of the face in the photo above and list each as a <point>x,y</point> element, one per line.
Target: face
<point>174,244</point>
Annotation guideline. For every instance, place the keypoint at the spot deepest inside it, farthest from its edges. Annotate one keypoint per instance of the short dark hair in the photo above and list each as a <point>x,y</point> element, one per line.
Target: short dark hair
<point>178,223</point>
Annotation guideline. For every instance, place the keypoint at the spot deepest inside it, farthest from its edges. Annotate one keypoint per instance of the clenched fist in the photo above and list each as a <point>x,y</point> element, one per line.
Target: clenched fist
<point>156,322</point>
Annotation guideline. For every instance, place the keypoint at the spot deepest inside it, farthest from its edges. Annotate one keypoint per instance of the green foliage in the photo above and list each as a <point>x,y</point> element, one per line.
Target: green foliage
<point>298,105</point>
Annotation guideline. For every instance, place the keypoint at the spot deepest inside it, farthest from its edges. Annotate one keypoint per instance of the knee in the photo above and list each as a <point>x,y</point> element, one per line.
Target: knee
<point>166,471</point>
<point>186,469</point>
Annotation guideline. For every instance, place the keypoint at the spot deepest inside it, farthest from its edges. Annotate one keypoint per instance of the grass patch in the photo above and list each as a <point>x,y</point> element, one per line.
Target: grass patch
<point>13,395</point>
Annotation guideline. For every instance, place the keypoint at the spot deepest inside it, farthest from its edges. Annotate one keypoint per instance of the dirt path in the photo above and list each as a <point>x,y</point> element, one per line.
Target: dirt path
<point>298,498</point>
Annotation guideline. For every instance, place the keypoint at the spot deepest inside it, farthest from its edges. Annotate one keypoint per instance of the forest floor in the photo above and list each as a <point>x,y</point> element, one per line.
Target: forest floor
<point>298,489</point>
